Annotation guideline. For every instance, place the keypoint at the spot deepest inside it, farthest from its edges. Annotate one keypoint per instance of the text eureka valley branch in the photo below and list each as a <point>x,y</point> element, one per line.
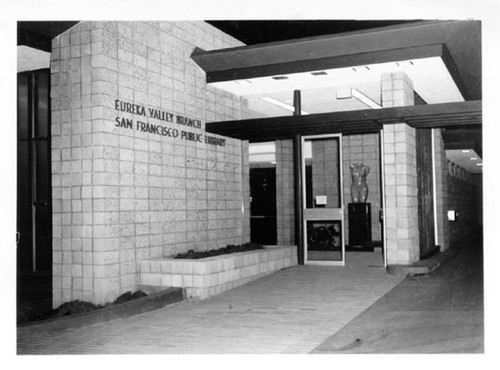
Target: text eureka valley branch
<point>165,116</point>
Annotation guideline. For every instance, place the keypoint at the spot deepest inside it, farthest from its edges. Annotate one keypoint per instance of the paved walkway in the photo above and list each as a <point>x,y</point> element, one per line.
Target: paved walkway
<point>291,311</point>
<point>442,312</point>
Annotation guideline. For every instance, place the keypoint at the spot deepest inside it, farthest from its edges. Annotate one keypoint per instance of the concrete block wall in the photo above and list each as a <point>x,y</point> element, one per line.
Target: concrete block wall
<point>397,90</point>
<point>121,194</point>
<point>285,211</point>
<point>463,197</point>
<point>441,195</point>
<point>245,157</point>
<point>400,172</point>
<point>401,191</point>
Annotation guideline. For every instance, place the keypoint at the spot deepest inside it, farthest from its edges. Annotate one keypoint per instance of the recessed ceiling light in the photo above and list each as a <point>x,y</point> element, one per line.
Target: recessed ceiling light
<point>479,164</point>
<point>242,82</point>
<point>466,151</point>
<point>473,158</point>
<point>282,105</point>
<point>321,73</point>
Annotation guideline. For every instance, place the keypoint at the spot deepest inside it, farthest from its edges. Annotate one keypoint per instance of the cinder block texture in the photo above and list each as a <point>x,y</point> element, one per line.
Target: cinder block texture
<point>134,173</point>
<point>209,276</point>
<point>400,175</point>
<point>285,209</point>
<point>397,90</point>
<point>463,196</point>
<point>401,190</point>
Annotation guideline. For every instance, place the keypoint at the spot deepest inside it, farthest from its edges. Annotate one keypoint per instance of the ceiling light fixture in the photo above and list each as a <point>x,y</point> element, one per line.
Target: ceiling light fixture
<point>473,158</point>
<point>242,82</point>
<point>466,151</point>
<point>479,164</point>
<point>321,73</point>
<point>365,99</point>
<point>282,105</point>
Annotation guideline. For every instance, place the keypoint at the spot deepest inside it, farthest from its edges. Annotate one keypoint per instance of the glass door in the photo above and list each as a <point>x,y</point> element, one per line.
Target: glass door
<point>323,214</point>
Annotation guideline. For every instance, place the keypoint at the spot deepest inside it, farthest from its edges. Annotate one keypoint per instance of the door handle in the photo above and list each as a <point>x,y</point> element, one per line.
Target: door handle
<point>38,203</point>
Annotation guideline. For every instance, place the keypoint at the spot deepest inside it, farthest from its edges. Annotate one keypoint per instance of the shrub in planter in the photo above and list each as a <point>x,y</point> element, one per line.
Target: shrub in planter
<point>27,314</point>
<point>74,307</point>
<point>128,296</point>
<point>191,254</point>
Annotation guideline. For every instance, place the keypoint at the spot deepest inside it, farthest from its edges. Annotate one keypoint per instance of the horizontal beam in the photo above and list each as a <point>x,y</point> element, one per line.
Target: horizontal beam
<point>341,61</point>
<point>463,138</point>
<point>443,115</point>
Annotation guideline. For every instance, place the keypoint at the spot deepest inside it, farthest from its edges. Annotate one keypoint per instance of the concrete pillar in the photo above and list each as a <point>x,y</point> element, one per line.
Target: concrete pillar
<point>400,175</point>
<point>284,193</point>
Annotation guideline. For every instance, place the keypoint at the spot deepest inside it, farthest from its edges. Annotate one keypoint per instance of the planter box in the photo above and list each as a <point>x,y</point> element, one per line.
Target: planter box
<point>213,275</point>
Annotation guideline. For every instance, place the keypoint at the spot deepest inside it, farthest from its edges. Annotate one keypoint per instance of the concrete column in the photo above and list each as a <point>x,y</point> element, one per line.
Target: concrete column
<point>400,171</point>
<point>245,158</point>
<point>397,90</point>
<point>284,193</point>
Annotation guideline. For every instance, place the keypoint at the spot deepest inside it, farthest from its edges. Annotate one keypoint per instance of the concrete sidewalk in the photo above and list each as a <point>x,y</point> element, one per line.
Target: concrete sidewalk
<point>291,311</point>
<point>442,312</point>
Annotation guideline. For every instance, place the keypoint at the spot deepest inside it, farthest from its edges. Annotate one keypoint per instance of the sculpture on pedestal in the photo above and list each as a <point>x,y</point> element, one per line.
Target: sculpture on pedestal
<point>359,188</point>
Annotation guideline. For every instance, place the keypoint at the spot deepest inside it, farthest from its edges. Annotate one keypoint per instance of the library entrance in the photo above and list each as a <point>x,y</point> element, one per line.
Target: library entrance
<point>323,200</point>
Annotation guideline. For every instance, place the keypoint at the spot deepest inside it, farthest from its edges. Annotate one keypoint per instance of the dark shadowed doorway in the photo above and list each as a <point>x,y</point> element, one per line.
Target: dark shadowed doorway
<point>34,192</point>
<point>263,193</point>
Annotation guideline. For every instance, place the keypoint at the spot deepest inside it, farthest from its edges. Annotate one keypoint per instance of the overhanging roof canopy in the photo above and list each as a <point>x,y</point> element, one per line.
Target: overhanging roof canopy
<point>463,114</point>
<point>457,42</point>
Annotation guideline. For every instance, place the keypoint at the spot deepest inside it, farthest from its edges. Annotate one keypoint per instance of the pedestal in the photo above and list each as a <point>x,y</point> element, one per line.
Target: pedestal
<point>360,227</point>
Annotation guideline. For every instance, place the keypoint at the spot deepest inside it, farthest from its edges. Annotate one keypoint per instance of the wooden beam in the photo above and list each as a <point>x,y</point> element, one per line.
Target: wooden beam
<point>465,114</point>
<point>341,61</point>
<point>297,183</point>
